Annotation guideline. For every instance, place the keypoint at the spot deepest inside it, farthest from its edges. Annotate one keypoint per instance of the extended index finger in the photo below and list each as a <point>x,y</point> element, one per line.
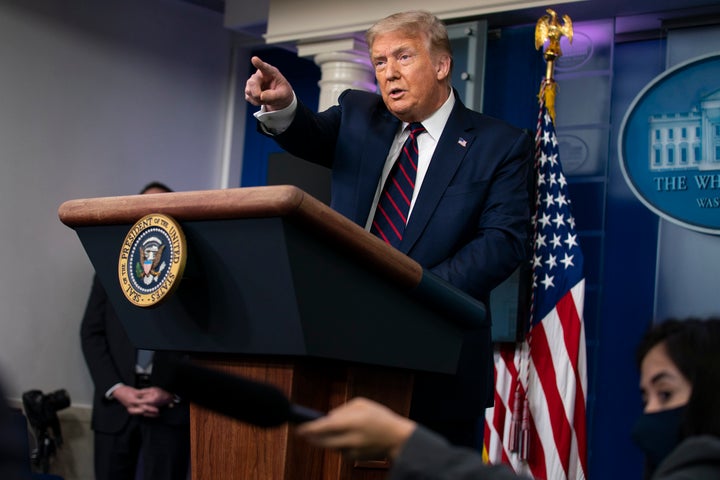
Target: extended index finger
<point>263,67</point>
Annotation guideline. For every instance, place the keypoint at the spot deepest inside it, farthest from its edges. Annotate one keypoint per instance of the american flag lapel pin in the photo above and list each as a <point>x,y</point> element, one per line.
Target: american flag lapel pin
<point>462,142</point>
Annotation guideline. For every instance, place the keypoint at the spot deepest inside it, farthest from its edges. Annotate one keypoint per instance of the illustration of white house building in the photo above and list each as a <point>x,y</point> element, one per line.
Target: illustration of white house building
<point>683,141</point>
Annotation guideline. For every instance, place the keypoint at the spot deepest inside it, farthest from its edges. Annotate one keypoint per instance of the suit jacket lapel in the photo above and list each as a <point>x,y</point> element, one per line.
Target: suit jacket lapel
<point>456,140</point>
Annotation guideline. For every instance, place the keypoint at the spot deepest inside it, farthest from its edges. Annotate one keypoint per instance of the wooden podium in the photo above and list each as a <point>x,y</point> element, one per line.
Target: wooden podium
<point>280,288</point>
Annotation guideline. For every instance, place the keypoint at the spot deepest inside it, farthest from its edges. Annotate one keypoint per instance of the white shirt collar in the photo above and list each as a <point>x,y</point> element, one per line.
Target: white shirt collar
<point>435,123</point>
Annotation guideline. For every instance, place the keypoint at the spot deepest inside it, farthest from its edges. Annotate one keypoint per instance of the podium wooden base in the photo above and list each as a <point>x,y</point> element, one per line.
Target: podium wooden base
<point>222,447</point>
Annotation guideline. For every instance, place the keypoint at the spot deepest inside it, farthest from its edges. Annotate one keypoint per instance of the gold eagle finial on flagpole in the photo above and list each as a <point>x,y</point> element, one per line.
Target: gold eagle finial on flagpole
<point>548,29</point>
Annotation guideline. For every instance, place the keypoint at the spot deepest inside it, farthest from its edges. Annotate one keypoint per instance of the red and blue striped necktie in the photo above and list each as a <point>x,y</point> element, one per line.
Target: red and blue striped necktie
<point>394,203</point>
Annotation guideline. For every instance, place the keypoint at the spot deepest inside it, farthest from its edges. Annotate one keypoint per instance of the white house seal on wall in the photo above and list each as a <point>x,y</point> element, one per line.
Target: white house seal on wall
<point>669,145</point>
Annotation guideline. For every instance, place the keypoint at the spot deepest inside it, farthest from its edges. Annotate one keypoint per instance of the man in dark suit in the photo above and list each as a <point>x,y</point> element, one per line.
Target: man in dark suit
<point>469,211</point>
<point>134,420</point>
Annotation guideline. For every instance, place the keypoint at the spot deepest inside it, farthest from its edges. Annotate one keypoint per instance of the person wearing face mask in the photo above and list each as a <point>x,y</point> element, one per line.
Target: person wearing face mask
<point>679,431</point>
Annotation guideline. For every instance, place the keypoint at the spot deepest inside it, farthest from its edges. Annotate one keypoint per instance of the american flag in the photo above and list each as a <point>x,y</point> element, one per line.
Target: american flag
<point>537,425</point>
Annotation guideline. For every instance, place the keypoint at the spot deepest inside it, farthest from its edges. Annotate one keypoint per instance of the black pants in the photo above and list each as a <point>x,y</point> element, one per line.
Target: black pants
<point>162,451</point>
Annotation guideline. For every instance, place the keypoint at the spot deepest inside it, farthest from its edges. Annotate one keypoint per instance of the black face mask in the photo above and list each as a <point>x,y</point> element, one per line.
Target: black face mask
<point>657,434</point>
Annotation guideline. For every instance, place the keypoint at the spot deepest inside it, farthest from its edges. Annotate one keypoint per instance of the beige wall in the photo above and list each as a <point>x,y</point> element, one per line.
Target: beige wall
<point>96,99</point>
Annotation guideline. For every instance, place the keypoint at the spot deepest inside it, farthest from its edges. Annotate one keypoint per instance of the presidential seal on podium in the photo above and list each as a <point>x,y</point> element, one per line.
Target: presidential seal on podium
<point>152,260</point>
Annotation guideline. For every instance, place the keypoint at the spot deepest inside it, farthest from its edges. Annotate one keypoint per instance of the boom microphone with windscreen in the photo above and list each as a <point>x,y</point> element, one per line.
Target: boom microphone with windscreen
<point>257,403</point>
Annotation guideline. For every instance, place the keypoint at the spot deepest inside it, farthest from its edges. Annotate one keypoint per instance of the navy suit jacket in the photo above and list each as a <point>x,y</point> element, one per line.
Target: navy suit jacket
<point>110,357</point>
<point>469,224</point>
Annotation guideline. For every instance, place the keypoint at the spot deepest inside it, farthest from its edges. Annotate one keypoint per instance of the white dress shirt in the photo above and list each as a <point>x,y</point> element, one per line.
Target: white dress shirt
<point>427,142</point>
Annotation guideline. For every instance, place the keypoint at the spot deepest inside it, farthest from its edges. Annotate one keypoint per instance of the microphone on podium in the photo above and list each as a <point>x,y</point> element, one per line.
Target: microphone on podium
<point>252,402</point>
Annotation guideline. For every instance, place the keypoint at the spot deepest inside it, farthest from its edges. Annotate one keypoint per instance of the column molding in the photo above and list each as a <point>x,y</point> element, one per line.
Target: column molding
<point>344,63</point>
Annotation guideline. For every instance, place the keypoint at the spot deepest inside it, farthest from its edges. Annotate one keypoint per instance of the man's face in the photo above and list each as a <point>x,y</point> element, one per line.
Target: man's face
<point>412,83</point>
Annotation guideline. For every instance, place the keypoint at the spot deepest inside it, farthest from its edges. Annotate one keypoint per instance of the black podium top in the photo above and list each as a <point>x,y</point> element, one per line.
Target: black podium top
<point>273,271</point>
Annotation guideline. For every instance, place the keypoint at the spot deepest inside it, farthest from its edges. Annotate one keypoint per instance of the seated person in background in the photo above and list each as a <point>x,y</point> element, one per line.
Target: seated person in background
<point>679,431</point>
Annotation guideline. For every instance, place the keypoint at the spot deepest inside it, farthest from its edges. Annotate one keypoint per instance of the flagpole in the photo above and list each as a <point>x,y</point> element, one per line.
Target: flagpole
<point>547,30</point>
<point>537,425</point>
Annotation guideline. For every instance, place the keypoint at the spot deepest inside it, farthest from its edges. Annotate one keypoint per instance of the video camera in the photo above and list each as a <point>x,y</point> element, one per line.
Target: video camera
<point>41,411</point>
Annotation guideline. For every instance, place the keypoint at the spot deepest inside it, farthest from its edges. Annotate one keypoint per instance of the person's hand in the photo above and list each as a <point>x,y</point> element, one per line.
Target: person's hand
<point>132,399</point>
<point>156,396</point>
<point>361,429</point>
<point>268,87</point>
<point>146,401</point>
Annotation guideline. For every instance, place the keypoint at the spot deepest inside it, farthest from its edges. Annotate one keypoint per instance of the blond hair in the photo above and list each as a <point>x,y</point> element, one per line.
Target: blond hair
<point>412,23</point>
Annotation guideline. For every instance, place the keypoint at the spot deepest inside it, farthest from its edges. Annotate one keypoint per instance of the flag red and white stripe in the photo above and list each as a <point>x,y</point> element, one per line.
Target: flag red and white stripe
<point>544,377</point>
